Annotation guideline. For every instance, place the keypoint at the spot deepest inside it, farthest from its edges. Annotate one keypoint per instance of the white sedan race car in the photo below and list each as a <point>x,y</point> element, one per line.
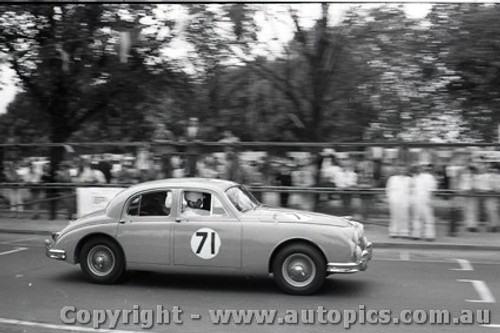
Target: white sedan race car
<point>197,225</point>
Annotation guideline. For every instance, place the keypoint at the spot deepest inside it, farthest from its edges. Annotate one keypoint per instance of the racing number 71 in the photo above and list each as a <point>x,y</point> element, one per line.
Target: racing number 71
<point>204,236</point>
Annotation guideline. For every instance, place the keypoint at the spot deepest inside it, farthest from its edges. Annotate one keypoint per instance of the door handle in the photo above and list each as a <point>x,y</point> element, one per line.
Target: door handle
<point>122,221</point>
<point>178,220</point>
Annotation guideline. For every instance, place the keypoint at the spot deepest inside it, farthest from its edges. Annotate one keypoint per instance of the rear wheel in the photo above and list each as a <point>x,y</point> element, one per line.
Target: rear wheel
<point>299,269</point>
<point>102,261</point>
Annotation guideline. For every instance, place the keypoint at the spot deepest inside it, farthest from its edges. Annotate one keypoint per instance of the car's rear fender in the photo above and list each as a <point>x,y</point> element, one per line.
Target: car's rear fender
<point>72,240</point>
<point>88,237</point>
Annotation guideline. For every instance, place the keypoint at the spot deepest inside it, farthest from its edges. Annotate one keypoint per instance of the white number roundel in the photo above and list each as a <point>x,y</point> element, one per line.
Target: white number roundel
<point>205,243</point>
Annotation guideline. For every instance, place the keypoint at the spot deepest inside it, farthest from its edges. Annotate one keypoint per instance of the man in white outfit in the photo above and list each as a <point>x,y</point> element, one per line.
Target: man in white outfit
<point>398,196</point>
<point>424,184</point>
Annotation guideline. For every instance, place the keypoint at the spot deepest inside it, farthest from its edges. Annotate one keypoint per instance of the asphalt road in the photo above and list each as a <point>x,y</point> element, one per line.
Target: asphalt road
<point>35,291</point>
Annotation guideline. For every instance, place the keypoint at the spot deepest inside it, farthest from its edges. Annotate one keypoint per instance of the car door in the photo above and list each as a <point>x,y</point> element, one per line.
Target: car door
<point>212,239</point>
<point>145,229</point>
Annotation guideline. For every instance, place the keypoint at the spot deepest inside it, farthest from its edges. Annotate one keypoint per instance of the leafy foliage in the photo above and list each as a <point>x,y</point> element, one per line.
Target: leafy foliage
<point>378,75</point>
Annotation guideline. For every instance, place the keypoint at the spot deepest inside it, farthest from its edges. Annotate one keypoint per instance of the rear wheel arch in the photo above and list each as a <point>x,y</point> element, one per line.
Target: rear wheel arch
<point>87,238</point>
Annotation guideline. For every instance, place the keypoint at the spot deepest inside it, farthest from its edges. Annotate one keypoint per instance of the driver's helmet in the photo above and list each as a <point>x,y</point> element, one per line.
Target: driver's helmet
<point>194,199</point>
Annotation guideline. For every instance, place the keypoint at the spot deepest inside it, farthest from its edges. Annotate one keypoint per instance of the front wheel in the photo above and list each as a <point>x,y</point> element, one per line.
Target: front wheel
<point>299,269</point>
<point>102,261</point>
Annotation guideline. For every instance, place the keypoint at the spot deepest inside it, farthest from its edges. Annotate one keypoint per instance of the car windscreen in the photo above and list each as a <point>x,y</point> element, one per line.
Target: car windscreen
<point>241,198</point>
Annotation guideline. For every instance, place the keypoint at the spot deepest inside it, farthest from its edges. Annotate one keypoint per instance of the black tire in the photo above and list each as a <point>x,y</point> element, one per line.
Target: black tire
<point>299,269</point>
<point>102,261</point>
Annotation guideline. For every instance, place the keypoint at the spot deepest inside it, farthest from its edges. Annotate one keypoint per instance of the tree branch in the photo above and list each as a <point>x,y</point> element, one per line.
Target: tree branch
<point>282,85</point>
<point>26,80</point>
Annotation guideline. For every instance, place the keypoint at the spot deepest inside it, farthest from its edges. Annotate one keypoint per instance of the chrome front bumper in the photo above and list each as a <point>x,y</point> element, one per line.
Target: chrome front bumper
<point>352,267</point>
<point>53,253</point>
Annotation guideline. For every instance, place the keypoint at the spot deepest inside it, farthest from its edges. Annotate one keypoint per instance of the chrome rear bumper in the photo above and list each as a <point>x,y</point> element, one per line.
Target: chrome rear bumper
<point>352,267</point>
<point>53,253</point>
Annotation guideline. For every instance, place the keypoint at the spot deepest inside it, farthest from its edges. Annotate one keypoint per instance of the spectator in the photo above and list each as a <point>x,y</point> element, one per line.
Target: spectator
<point>303,176</point>
<point>329,168</point>
<point>488,182</point>
<point>398,197</point>
<point>492,203</point>
<point>424,184</point>
<point>178,168</point>
<point>254,176</point>
<point>466,185</point>
<point>233,170</point>
<point>229,137</point>
<point>144,163</point>
<point>208,168</point>
<point>33,176</point>
<point>192,129</point>
<point>284,178</point>
<point>192,134</point>
<point>127,174</point>
<point>89,175</point>
<point>344,180</point>
<point>63,175</point>
<point>162,137</point>
<point>105,167</point>
<point>365,171</point>
<point>14,194</point>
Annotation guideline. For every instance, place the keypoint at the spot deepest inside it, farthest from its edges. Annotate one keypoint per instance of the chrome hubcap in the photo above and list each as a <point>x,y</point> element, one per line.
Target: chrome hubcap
<point>101,260</point>
<point>298,270</point>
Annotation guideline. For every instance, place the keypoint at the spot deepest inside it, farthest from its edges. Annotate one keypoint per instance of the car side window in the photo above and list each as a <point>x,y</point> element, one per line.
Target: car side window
<point>218,208</point>
<point>156,203</point>
<point>133,208</point>
<point>196,203</point>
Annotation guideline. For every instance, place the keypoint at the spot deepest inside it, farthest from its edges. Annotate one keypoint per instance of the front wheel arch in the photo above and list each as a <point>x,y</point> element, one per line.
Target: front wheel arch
<point>299,269</point>
<point>292,242</point>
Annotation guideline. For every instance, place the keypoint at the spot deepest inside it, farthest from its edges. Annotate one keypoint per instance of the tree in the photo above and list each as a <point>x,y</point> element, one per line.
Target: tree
<point>318,77</point>
<point>214,32</point>
<point>79,63</point>
<point>465,44</point>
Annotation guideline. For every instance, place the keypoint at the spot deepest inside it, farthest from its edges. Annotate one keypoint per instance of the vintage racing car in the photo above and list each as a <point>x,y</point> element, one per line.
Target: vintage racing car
<point>197,225</point>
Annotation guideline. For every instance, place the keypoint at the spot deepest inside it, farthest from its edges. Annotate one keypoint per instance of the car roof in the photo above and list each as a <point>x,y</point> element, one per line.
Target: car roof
<point>209,183</point>
<point>216,185</point>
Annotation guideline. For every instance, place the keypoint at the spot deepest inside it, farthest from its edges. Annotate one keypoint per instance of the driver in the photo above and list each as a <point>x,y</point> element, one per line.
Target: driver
<point>194,204</point>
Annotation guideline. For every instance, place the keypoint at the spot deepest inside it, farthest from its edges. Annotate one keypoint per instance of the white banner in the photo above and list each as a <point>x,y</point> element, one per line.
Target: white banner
<point>90,199</point>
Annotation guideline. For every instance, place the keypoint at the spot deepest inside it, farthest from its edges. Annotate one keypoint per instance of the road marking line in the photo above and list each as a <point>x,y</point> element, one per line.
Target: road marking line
<point>18,240</point>
<point>404,255</point>
<point>61,327</point>
<point>465,265</point>
<point>432,261</point>
<point>13,251</point>
<point>485,295</point>
<point>491,325</point>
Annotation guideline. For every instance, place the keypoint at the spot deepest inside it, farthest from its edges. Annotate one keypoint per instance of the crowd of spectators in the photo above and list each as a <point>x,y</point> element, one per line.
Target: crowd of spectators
<point>410,217</point>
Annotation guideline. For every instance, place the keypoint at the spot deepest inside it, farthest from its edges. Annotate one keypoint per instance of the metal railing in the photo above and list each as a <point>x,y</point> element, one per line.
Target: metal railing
<point>365,194</point>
